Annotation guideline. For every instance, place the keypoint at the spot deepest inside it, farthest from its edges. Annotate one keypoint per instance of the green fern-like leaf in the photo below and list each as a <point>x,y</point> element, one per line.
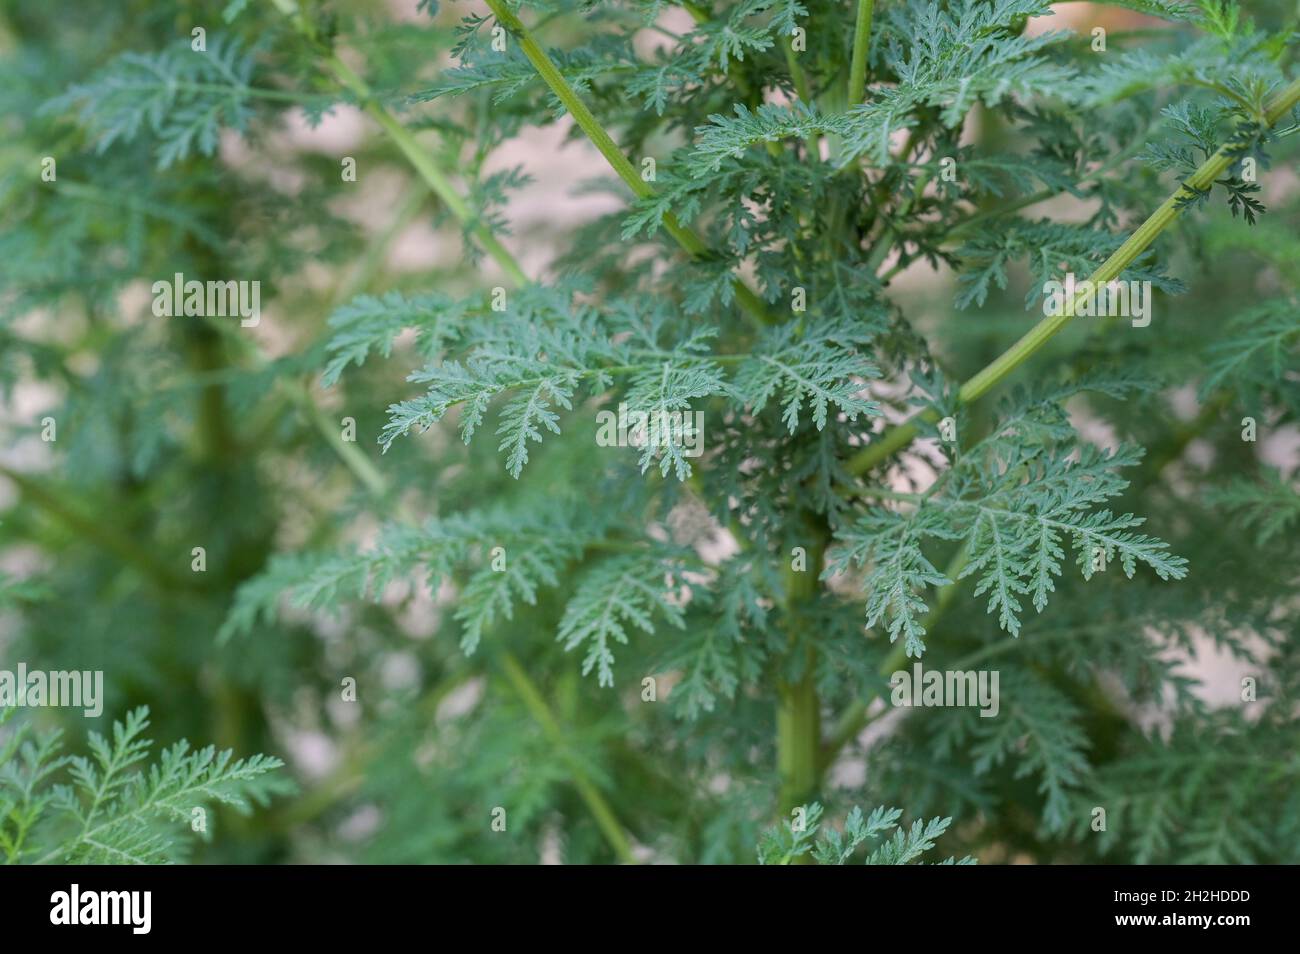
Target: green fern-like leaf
<point>115,809</point>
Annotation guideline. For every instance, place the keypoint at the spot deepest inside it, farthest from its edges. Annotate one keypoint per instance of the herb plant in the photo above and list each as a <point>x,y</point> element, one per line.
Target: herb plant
<point>382,523</point>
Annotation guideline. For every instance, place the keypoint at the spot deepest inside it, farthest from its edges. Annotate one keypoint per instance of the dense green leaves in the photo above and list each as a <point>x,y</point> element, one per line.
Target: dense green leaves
<point>577,545</point>
<point>1017,501</point>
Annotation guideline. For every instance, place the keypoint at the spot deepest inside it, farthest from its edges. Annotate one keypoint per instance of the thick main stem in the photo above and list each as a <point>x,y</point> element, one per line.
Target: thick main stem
<point>798,711</point>
<point>1049,327</point>
<point>798,741</point>
<point>861,45</point>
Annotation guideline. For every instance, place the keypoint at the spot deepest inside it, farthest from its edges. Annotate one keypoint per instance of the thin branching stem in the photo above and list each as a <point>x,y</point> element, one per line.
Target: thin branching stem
<point>101,532</point>
<point>857,716</point>
<point>898,437</point>
<point>421,161</point>
<point>686,237</point>
<point>441,185</point>
<point>595,801</point>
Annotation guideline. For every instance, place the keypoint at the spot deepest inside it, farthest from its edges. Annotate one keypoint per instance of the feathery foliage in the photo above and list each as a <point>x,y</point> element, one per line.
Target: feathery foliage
<point>112,809</point>
<point>827,846</point>
<point>615,491</point>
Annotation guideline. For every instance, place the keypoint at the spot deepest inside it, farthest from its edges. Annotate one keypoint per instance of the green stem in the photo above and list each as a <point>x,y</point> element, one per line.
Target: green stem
<point>591,795</point>
<point>1049,327</point>
<point>352,457</point>
<point>861,44</point>
<point>798,712</point>
<point>429,171</point>
<point>855,718</point>
<point>587,122</point>
<point>1172,448</point>
<point>527,690</point>
<point>98,531</point>
<point>797,75</point>
<point>798,738</point>
<point>420,160</point>
<point>375,482</point>
<point>698,13</point>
